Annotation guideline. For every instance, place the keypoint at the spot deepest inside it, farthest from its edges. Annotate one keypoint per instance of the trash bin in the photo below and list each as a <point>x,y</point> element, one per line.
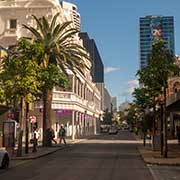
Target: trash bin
<point>156,142</point>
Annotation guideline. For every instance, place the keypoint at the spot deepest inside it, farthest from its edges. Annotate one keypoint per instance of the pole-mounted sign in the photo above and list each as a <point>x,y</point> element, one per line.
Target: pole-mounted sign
<point>32,119</point>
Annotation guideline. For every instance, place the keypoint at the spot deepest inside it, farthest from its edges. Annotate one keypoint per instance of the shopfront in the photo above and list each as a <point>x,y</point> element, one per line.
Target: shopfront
<point>77,124</point>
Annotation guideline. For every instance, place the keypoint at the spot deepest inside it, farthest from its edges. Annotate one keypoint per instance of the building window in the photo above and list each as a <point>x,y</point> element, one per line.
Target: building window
<point>74,8</point>
<point>13,23</point>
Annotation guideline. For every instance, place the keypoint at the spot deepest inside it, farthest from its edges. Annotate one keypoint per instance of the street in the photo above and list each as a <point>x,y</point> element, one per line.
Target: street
<point>106,157</point>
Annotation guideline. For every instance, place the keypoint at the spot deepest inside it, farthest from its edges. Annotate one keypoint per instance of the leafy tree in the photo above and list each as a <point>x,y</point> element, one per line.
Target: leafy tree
<point>60,48</point>
<point>20,78</point>
<point>107,117</point>
<point>155,78</point>
<point>133,117</point>
<point>3,54</point>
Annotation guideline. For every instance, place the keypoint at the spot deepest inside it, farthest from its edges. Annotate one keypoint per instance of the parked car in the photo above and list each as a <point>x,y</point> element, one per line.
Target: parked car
<point>113,130</point>
<point>4,158</point>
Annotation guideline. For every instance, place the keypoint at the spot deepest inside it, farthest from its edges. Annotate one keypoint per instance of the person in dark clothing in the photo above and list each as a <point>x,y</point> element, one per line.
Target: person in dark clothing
<point>178,133</point>
<point>52,135</point>
<point>62,134</point>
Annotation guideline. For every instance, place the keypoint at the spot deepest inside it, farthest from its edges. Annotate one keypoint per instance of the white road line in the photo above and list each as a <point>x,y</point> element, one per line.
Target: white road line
<point>154,174</point>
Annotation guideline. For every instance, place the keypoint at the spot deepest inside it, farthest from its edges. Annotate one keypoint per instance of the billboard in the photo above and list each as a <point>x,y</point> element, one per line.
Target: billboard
<point>156,28</point>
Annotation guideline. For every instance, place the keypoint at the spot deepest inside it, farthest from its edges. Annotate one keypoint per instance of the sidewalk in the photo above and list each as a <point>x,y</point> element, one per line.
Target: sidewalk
<point>43,151</point>
<point>154,157</point>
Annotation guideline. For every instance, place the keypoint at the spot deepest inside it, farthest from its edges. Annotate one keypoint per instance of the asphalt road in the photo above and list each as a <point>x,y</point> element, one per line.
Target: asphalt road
<point>106,157</point>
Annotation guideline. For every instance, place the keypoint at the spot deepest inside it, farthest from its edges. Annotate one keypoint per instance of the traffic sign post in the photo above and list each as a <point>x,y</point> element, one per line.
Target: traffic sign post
<point>32,119</point>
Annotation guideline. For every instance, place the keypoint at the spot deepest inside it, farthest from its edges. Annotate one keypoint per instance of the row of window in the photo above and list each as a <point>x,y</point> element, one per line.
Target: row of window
<point>81,90</point>
<point>146,39</point>
<point>163,24</point>
<point>163,19</point>
<point>149,33</point>
<point>142,28</point>
<point>144,50</point>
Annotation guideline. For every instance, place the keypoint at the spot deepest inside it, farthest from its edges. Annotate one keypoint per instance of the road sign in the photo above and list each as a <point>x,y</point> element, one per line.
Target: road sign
<point>32,119</point>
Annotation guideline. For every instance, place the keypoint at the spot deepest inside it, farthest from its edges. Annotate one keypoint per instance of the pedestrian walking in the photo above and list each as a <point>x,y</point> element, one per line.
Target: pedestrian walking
<point>52,135</point>
<point>62,134</point>
<point>35,140</point>
<point>36,135</point>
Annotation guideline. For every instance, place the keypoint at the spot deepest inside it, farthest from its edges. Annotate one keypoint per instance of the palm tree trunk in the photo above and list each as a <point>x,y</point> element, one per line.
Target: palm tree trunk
<point>47,100</point>
<point>22,121</point>
<point>164,127</point>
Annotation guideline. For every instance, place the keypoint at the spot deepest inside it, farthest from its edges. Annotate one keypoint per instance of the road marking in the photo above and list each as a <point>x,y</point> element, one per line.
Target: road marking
<point>154,174</point>
<point>176,177</point>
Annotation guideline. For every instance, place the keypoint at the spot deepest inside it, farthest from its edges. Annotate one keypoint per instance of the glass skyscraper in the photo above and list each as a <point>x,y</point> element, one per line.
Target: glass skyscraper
<point>152,28</point>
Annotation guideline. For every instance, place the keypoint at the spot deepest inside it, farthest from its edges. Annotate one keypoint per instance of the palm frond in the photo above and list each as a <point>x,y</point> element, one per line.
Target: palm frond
<point>61,28</point>
<point>53,22</point>
<point>33,31</point>
<point>45,24</point>
<point>39,24</point>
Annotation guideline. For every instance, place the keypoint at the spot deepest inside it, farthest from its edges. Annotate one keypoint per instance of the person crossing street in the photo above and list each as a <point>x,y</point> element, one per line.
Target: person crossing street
<point>62,134</point>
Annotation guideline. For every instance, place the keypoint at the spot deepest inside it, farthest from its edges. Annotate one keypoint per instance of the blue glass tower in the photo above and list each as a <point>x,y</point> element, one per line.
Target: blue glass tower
<point>152,28</point>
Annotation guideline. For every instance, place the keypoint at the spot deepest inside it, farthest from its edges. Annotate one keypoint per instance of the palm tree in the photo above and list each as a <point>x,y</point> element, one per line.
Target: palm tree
<point>60,49</point>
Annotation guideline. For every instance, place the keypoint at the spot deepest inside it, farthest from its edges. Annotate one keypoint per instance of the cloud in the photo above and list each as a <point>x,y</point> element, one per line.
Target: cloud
<point>110,69</point>
<point>132,85</point>
<point>134,82</point>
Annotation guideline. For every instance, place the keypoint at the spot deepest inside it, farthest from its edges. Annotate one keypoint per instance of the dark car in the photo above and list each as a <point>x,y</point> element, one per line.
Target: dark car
<point>113,131</point>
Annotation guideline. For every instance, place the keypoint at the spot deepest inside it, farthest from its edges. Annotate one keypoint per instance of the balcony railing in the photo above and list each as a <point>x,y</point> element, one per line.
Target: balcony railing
<point>72,98</point>
<point>69,98</point>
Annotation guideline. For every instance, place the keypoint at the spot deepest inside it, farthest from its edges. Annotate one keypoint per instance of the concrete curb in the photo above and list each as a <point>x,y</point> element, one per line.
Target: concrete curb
<point>35,156</point>
<point>42,154</point>
<point>148,161</point>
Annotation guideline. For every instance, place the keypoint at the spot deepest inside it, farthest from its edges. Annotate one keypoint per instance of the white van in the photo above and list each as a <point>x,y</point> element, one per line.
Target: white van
<point>4,158</point>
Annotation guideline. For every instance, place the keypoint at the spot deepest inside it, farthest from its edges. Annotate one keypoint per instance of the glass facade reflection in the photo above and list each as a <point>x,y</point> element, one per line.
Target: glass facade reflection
<point>152,28</point>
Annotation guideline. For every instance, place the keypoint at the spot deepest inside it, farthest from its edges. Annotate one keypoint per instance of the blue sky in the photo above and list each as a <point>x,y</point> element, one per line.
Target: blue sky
<point>114,26</point>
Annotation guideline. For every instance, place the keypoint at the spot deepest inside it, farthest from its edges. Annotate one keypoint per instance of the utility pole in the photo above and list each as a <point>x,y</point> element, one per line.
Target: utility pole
<point>27,129</point>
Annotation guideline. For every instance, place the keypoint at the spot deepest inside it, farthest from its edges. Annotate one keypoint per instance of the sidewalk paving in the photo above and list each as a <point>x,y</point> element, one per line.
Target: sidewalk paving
<point>43,151</point>
<point>154,157</point>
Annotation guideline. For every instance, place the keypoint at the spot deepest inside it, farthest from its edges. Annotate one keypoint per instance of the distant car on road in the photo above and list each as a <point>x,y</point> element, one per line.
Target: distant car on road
<point>4,158</point>
<point>113,130</point>
<point>104,130</point>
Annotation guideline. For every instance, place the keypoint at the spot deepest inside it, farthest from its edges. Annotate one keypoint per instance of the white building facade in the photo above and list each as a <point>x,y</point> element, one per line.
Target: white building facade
<point>79,106</point>
<point>70,12</point>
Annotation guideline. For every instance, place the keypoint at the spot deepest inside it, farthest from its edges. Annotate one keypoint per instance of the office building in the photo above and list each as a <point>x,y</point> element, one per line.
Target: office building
<point>107,101</point>
<point>70,12</point>
<point>97,69</point>
<point>152,28</point>
<point>114,104</point>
